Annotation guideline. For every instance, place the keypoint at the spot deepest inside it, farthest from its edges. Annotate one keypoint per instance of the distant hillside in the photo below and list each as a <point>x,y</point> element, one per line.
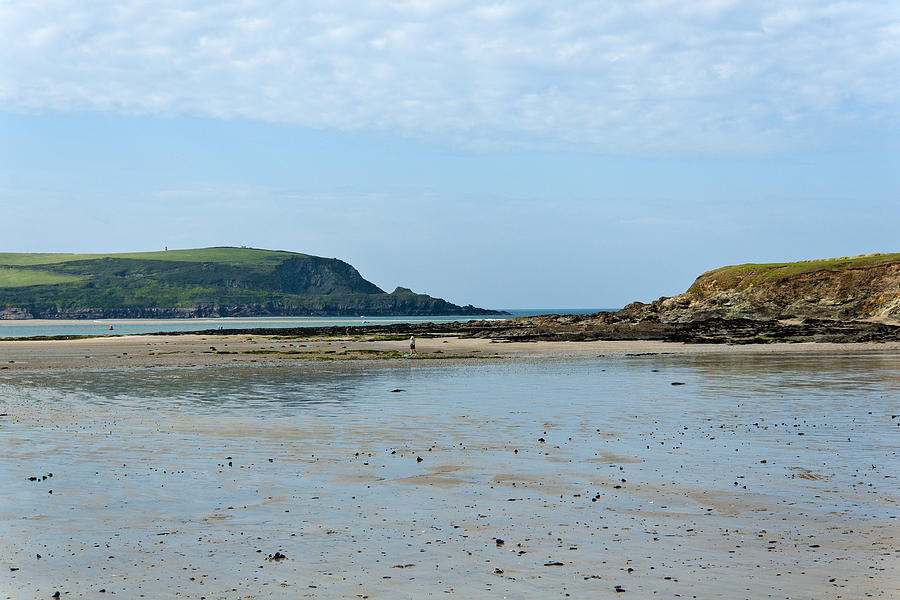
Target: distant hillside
<point>861,287</point>
<point>204,282</point>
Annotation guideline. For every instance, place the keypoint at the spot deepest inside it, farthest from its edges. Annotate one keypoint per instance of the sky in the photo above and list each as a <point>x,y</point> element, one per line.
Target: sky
<point>510,154</point>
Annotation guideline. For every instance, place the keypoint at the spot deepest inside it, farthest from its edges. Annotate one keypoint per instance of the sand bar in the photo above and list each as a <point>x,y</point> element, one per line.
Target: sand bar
<point>191,350</point>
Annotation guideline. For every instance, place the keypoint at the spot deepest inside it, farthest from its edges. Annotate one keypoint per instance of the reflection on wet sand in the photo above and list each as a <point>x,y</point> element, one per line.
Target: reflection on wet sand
<point>764,475</point>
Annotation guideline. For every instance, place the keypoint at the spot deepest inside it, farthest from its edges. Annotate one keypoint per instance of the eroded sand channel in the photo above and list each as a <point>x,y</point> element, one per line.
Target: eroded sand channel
<point>765,475</point>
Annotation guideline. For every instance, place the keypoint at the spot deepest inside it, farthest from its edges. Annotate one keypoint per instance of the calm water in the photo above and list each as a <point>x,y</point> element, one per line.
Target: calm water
<point>763,400</point>
<point>39,327</point>
<point>760,465</point>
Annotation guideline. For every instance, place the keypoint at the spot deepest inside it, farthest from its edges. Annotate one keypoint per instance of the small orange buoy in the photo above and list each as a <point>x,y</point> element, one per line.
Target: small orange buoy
<point>110,327</point>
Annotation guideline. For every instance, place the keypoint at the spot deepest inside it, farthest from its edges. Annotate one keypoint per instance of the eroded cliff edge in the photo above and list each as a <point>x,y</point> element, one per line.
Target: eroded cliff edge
<point>848,299</point>
<point>859,288</point>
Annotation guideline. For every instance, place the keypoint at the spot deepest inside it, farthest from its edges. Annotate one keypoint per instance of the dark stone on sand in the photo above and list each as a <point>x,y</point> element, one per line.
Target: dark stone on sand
<point>397,390</point>
<point>419,459</point>
<point>499,542</point>
<point>619,588</point>
<point>678,383</point>
<point>554,563</point>
<point>55,595</point>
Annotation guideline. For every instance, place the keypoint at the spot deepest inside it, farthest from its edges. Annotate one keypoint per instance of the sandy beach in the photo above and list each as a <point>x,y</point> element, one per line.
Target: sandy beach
<point>191,350</point>
<point>131,471</point>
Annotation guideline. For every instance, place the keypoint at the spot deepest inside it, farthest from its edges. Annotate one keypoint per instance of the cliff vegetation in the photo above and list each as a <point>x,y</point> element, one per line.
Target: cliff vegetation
<point>203,282</point>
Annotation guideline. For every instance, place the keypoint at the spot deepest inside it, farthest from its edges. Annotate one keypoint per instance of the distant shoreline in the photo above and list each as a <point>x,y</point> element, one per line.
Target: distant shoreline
<point>565,328</point>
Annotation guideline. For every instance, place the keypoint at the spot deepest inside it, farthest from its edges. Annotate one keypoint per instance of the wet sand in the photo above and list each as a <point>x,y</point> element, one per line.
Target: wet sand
<point>404,496</point>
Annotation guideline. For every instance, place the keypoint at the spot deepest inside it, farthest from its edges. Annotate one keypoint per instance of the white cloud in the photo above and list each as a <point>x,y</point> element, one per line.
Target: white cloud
<point>654,76</point>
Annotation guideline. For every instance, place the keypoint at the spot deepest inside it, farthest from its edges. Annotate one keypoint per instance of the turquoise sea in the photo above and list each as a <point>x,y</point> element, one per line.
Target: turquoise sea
<point>45,327</point>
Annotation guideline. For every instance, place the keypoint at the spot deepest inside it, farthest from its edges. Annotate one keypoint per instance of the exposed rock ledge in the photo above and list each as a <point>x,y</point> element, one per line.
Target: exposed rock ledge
<point>13,314</point>
<point>611,327</point>
<point>848,290</point>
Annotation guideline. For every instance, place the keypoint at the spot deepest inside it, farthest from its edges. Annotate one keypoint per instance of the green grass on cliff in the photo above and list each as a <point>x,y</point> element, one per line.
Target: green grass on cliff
<point>743,276</point>
<point>208,281</point>
<point>221,255</point>
<point>15,278</point>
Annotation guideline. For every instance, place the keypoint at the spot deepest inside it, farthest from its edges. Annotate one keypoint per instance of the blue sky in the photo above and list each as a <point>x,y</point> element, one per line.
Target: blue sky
<point>505,154</point>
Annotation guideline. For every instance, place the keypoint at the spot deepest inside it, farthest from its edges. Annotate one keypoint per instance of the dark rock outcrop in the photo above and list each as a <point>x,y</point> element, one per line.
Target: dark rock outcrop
<point>866,287</point>
<point>608,327</point>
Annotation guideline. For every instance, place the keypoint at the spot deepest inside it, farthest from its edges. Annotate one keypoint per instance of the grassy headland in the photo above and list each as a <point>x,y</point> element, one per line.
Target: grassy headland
<point>739,277</point>
<point>222,281</point>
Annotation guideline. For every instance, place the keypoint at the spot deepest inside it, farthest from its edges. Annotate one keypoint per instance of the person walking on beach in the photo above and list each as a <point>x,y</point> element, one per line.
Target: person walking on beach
<point>412,344</point>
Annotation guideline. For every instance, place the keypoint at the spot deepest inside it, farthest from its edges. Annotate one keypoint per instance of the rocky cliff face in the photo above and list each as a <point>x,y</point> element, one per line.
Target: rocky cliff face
<point>14,313</point>
<point>868,290</point>
<point>833,300</point>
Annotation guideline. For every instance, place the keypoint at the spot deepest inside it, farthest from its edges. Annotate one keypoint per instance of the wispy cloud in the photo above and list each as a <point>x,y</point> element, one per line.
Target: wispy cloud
<point>650,76</point>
